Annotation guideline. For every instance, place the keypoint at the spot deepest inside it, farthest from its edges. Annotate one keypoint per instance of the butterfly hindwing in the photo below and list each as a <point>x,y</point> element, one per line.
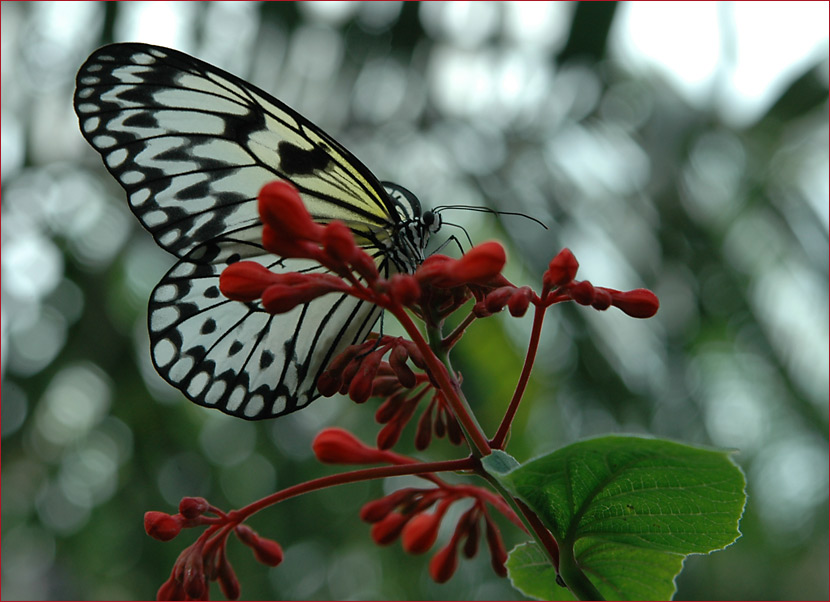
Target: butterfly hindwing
<point>235,356</point>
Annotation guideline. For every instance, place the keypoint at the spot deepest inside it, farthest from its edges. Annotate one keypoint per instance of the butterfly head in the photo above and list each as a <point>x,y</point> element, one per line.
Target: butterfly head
<point>413,229</point>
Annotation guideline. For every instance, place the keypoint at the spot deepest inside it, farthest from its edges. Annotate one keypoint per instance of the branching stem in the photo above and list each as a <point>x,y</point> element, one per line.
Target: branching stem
<point>499,439</point>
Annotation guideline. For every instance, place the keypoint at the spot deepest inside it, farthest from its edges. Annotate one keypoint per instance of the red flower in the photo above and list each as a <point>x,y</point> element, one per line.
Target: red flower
<point>282,209</point>
<point>267,551</point>
<point>192,507</point>
<point>162,526</point>
<point>443,564</point>
<point>338,446</point>
<point>639,303</point>
<point>561,270</point>
<point>479,265</point>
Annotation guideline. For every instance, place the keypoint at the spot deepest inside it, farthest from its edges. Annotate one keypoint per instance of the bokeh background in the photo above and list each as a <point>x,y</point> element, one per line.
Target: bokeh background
<point>677,146</point>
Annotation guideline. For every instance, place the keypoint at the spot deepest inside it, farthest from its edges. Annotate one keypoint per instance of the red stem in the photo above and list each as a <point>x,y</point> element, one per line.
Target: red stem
<point>535,334</point>
<point>545,536</point>
<point>452,338</point>
<point>441,375</point>
<point>354,476</point>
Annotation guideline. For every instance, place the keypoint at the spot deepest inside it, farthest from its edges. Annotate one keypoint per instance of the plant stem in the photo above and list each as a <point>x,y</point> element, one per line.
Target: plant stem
<point>531,522</point>
<point>452,338</point>
<point>535,334</point>
<point>574,578</point>
<point>475,436</point>
<point>354,476</point>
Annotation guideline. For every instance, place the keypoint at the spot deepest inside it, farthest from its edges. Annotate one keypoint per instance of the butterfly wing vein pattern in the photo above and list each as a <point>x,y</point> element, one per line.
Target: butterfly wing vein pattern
<point>192,145</point>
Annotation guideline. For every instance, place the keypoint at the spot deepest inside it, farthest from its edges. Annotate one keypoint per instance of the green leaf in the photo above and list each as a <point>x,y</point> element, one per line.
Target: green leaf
<point>499,463</point>
<point>625,512</point>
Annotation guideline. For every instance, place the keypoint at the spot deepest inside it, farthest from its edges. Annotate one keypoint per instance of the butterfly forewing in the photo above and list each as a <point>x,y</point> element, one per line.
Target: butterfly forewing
<point>192,146</point>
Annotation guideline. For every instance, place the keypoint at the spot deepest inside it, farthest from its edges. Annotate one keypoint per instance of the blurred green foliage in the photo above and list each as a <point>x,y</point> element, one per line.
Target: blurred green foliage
<point>727,223</point>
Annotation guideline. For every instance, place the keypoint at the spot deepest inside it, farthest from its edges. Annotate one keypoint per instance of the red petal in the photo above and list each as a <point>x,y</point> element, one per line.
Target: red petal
<point>245,280</point>
<point>639,303</point>
<point>561,270</point>
<point>282,208</point>
<point>338,446</point>
<point>162,526</point>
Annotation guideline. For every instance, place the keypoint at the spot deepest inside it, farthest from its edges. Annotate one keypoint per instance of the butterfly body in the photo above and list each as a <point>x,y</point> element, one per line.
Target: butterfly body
<point>192,145</point>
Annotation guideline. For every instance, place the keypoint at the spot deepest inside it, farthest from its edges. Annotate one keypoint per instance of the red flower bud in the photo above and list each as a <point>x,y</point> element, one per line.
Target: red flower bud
<point>415,354</point>
<point>602,298</point>
<point>481,263</point>
<point>268,551</point>
<point>389,434</point>
<point>397,361</point>
<point>404,289</point>
<point>162,526</point>
<point>365,266</point>
<point>193,578</point>
<point>387,529</point>
<point>226,577</point>
<point>498,554</point>
<point>473,537</point>
<point>282,298</point>
<point>423,433</point>
<point>278,243</point>
<point>443,564</point>
<point>193,507</point>
<point>498,298</point>
<point>360,388</point>
<point>582,292</point>
<point>420,533</point>
<point>338,242</point>
<point>519,301</point>
<point>377,510</point>
<point>639,303</point>
<point>245,280</point>
<point>170,590</point>
<point>338,446</point>
<point>561,270</point>
<point>265,550</point>
<point>386,386</point>
<point>282,208</point>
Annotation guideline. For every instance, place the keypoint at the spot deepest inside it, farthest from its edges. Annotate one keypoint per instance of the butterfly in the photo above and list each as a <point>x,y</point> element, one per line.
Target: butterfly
<point>192,145</point>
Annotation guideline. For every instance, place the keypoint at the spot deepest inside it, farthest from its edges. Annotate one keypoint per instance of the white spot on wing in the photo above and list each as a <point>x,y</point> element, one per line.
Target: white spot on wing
<point>164,352</point>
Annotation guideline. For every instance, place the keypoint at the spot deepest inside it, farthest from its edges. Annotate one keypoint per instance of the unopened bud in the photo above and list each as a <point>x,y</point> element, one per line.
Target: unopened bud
<point>561,270</point>
<point>338,446</point>
<point>192,507</point>
<point>162,526</point>
<point>420,533</point>
<point>387,530</point>
<point>443,564</point>
<point>639,303</point>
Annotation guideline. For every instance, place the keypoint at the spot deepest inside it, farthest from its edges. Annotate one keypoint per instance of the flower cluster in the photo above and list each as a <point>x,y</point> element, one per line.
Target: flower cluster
<point>405,513</point>
<point>559,285</point>
<point>405,373</point>
<point>205,560</point>
<point>361,372</point>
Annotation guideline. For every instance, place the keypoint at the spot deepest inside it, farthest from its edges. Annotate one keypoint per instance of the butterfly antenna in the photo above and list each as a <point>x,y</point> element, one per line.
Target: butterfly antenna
<point>486,210</point>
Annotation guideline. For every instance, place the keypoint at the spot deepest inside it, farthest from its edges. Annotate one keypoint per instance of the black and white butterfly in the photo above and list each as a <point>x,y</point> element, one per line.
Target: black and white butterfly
<point>192,145</point>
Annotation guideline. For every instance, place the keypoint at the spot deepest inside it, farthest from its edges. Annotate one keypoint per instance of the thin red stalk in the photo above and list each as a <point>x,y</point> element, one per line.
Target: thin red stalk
<point>535,334</point>
<point>354,476</point>
<point>542,532</point>
<point>481,446</point>
<point>452,338</point>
